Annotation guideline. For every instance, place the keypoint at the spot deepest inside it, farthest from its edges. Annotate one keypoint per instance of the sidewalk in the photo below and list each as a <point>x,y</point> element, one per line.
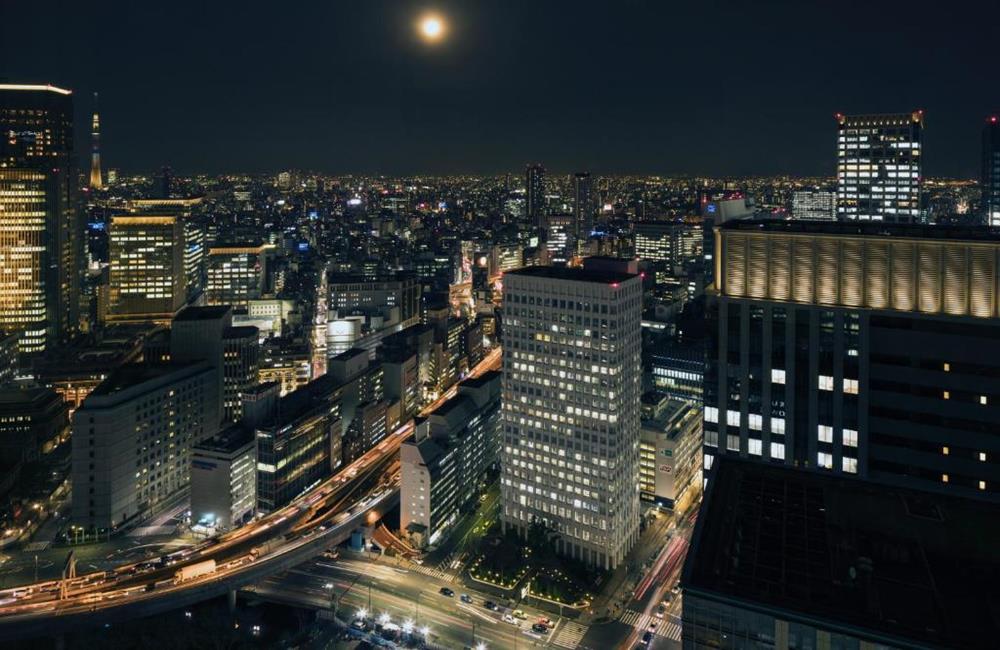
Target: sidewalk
<point>651,540</point>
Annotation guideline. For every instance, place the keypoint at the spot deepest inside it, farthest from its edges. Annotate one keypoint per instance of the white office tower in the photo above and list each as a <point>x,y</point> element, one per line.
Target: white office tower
<point>571,386</point>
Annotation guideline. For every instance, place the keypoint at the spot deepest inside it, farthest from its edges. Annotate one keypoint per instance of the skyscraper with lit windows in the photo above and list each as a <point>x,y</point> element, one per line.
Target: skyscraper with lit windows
<point>878,167</point>
<point>571,385</point>
<point>147,280</point>
<point>534,198</point>
<point>991,171</point>
<point>40,246</point>
<point>862,349</point>
<point>583,206</point>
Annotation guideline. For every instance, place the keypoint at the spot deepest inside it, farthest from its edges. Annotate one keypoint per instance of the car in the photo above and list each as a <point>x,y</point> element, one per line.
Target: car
<point>358,624</point>
<point>507,618</point>
<point>545,620</point>
<point>660,610</point>
<point>519,613</point>
<point>646,638</point>
<point>676,589</point>
<point>445,591</point>
<point>466,598</point>
<point>541,629</point>
<point>652,625</point>
<point>489,604</point>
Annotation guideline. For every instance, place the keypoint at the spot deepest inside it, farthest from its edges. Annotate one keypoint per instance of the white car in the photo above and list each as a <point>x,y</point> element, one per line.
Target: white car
<point>507,618</point>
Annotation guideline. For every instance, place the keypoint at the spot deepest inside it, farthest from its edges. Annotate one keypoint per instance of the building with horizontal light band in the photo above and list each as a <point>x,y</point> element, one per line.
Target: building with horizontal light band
<point>863,349</point>
<point>571,385</point>
<point>879,167</point>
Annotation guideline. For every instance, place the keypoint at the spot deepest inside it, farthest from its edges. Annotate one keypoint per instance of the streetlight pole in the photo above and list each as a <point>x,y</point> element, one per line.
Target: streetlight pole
<point>416,618</point>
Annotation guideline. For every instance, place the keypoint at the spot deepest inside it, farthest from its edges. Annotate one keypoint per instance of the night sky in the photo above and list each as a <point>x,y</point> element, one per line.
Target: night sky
<point>619,86</point>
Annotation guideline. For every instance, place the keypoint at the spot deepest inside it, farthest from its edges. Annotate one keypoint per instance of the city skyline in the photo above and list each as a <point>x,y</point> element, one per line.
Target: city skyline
<point>355,89</point>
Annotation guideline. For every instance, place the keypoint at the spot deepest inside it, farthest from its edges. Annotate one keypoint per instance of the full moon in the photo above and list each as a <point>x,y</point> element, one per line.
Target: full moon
<point>431,28</point>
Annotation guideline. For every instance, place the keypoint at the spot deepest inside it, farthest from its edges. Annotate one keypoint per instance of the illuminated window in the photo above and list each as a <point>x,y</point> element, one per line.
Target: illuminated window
<point>778,425</point>
<point>711,414</point>
<point>825,382</point>
<point>982,485</point>
<point>733,443</point>
<point>983,400</point>
<point>944,478</point>
<point>755,447</point>
<point>777,376</point>
<point>946,394</point>
<point>850,438</point>
<point>778,450</point>
<point>708,461</point>
<point>849,465</point>
<point>945,450</point>
<point>824,433</point>
<point>824,460</point>
<point>946,367</point>
<point>733,418</point>
<point>851,386</point>
<point>755,422</point>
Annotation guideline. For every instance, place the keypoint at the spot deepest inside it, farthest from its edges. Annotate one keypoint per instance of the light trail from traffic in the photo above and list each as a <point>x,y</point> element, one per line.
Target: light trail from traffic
<point>327,509</point>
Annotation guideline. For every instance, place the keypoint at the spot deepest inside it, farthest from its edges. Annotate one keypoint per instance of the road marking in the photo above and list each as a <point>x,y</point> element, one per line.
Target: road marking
<point>569,635</point>
<point>641,622</point>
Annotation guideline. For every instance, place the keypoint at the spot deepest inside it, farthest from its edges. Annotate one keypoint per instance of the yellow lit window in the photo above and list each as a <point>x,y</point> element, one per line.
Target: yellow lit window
<point>983,400</point>
<point>945,451</point>
<point>982,485</point>
<point>946,395</point>
<point>947,367</point>
<point>982,456</point>
<point>944,478</point>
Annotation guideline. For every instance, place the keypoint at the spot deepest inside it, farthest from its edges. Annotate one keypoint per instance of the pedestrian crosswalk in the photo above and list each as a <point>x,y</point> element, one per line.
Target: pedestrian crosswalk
<point>431,571</point>
<point>36,546</point>
<point>569,635</point>
<point>664,627</point>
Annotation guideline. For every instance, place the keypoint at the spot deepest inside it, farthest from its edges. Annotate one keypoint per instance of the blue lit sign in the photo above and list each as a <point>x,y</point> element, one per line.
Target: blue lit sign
<point>96,225</point>
<point>710,208</point>
<point>303,246</point>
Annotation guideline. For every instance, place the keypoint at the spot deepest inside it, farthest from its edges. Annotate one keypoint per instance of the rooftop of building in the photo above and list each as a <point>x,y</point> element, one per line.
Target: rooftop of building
<point>18,399</point>
<point>893,562</point>
<point>229,440</point>
<point>866,229</point>
<point>240,332</point>
<point>572,273</point>
<point>202,313</point>
<point>134,374</point>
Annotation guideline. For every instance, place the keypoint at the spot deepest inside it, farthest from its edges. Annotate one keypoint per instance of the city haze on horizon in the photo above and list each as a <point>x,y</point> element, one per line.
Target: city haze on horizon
<point>709,91</point>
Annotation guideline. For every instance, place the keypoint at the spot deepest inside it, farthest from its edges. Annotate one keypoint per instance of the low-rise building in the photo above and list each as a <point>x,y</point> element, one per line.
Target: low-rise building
<point>669,449</point>
<point>444,464</point>
<point>224,479</point>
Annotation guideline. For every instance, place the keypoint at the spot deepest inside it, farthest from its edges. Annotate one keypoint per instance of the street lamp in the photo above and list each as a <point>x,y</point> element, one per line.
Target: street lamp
<point>384,618</point>
<point>407,626</point>
<point>362,613</point>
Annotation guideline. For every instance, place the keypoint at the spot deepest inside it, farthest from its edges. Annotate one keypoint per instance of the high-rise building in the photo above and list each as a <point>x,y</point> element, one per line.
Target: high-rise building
<point>878,167</point>
<point>95,149</point>
<point>560,240</point>
<point>534,189</point>
<point>583,207</point>
<point>571,385</point>
<point>147,281</point>
<point>814,205</point>
<point>132,441</point>
<point>991,171</point>
<point>781,558</point>
<point>236,274</point>
<point>867,350</point>
<point>40,242</point>
<point>298,438</point>
<point>659,241</point>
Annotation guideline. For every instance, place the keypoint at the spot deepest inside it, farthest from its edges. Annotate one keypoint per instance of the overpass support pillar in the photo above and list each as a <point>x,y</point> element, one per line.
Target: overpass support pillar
<point>232,601</point>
